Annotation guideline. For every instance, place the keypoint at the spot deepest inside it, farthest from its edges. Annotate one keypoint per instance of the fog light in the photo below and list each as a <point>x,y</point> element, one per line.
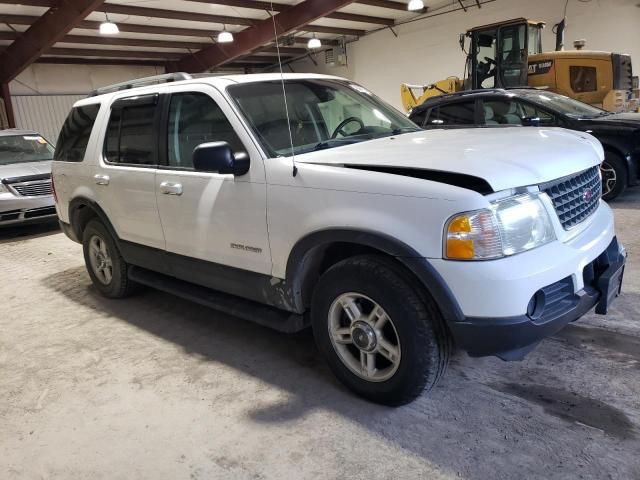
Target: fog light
<point>536,305</point>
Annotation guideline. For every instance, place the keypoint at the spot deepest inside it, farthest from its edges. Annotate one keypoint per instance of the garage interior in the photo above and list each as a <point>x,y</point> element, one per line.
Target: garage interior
<point>155,386</point>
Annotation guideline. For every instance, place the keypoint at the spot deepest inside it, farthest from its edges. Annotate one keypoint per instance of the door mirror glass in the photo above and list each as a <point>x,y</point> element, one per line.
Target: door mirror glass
<point>218,157</point>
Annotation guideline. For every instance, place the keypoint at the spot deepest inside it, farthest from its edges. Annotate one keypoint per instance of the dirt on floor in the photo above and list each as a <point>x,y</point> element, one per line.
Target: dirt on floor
<point>157,387</point>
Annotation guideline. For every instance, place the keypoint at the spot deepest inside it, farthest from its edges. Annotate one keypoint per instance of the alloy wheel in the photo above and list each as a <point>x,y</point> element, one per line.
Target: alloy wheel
<point>100,259</point>
<point>609,178</point>
<point>364,337</point>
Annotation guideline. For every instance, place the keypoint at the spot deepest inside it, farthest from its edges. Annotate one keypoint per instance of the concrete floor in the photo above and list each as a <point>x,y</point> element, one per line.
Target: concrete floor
<point>156,387</point>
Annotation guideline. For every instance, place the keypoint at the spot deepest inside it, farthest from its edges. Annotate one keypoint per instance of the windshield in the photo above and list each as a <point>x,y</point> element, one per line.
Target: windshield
<point>322,114</point>
<point>568,106</point>
<point>24,148</point>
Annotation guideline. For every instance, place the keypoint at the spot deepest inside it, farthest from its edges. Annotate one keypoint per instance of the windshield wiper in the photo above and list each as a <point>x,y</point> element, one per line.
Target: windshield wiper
<point>336,142</point>
<point>398,131</point>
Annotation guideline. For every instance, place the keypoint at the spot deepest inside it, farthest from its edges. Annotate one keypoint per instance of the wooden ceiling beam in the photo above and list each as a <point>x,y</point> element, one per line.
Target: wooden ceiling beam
<point>42,34</point>
<point>251,4</point>
<point>280,7</point>
<point>118,41</point>
<point>385,4</point>
<point>95,52</point>
<point>98,61</point>
<point>157,30</point>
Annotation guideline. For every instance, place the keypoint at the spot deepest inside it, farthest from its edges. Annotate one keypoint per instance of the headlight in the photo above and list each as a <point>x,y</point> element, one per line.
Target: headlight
<point>3,188</point>
<point>511,225</point>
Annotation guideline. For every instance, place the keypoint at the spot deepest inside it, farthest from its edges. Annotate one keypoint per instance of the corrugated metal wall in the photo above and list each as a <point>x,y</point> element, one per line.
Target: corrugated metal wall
<point>43,113</point>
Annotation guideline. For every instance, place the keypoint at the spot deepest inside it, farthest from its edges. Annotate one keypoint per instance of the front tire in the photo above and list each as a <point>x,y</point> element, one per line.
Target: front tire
<point>381,337</point>
<point>106,267</point>
<point>614,176</point>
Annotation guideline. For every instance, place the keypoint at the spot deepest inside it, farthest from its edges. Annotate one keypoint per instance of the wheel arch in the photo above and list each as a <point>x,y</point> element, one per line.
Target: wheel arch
<point>81,211</point>
<point>318,251</point>
<point>615,150</point>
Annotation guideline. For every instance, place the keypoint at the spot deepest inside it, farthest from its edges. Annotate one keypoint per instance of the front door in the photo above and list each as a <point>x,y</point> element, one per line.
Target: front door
<point>217,218</point>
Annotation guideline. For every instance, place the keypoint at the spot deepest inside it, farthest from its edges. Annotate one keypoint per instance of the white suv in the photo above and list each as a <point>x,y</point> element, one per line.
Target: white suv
<point>334,210</point>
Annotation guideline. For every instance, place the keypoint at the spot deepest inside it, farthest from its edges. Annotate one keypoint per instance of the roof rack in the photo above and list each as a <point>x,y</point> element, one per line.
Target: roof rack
<point>116,87</point>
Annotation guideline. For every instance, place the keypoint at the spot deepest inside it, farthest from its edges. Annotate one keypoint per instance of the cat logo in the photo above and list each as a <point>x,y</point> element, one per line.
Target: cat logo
<point>541,67</point>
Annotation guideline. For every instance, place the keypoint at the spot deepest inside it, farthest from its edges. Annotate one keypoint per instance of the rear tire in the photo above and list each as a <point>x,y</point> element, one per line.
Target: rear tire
<point>614,176</point>
<point>382,337</point>
<point>106,267</point>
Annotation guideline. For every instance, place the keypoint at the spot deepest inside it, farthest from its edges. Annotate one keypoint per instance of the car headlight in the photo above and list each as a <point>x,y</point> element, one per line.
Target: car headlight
<point>3,188</point>
<point>511,225</point>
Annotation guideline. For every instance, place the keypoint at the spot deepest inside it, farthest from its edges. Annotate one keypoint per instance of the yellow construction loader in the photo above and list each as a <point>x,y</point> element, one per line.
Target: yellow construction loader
<point>509,54</point>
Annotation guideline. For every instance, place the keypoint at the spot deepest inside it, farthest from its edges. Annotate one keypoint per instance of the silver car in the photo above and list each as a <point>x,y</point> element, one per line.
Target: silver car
<point>26,194</point>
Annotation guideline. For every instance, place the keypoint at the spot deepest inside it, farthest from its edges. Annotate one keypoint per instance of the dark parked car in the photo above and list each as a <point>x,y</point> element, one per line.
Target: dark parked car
<point>619,133</point>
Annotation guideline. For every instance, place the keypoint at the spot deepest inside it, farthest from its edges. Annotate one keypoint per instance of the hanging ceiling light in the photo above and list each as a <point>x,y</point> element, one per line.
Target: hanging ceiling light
<point>314,43</point>
<point>224,36</point>
<point>415,5</point>
<point>108,27</point>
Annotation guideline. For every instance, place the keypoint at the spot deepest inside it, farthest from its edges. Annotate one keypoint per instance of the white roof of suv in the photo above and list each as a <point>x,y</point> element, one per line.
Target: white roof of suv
<point>220,81</point>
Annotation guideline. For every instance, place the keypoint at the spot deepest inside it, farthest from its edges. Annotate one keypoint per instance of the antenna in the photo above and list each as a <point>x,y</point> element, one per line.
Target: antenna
<point>284,92</point>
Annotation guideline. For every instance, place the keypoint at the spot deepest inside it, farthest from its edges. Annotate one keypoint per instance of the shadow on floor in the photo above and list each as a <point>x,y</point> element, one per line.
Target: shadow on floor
<point>25,232</point>
<point>440,427</point>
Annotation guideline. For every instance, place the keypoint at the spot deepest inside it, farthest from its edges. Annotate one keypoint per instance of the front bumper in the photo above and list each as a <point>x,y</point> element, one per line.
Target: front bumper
<point>512,338</point>
<point>15,210</point>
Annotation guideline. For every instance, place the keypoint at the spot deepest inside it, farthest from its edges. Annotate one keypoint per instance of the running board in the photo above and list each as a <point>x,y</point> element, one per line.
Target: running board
<point>264,315</point>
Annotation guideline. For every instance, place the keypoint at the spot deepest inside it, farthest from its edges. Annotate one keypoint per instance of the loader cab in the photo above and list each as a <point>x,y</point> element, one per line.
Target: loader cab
<point>498,53</point>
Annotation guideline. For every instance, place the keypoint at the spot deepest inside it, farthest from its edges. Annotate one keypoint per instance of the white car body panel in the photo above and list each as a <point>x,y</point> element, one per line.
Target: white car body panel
<point>504,157</point>
<point>321,197</point>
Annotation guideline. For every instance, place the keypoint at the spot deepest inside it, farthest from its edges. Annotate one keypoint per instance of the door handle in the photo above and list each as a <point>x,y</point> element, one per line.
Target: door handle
<point>101,179</point>
<point>170,188</point>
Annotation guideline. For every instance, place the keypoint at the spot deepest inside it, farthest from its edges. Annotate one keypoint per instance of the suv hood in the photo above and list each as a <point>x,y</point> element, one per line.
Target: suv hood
<point>25,169</point>
<point>504,157</point>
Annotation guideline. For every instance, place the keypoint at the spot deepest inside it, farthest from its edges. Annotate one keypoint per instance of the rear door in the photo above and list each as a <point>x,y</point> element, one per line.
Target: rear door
<point>125,177</point>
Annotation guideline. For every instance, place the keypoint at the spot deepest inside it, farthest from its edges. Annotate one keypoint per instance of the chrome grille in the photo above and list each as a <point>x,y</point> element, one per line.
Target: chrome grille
<point>36,188</point>
<point>575,198</point>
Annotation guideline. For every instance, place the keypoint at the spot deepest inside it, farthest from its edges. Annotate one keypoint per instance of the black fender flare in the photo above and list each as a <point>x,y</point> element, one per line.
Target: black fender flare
<point>309,250</point>
<point>75,207</point>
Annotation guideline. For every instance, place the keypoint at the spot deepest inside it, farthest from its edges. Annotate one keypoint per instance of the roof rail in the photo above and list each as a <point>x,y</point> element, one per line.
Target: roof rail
<point>116,87</point>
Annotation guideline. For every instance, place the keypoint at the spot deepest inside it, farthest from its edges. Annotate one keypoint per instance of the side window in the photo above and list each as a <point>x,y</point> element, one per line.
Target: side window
<point>583,79</point>
<point>546,119</point>
<point>130,136</point>
<point>75,133</point>
<point>195,118</point>
<point>502,112</point>
<point>462,113</point>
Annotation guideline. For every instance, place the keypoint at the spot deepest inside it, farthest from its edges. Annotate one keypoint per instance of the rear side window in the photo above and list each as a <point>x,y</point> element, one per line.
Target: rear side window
<point>462,113</point>
<point>131,135</point>
<point>75,133</point>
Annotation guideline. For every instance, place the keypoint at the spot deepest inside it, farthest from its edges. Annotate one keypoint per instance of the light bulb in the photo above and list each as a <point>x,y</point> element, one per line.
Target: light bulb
<point>225,37</point>
<point>314,43</point>
<point>108,28</point>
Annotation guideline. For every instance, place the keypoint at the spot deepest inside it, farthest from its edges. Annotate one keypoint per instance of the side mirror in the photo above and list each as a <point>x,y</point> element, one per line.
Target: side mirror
<point>218,157</point>
<point>531,121</point>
